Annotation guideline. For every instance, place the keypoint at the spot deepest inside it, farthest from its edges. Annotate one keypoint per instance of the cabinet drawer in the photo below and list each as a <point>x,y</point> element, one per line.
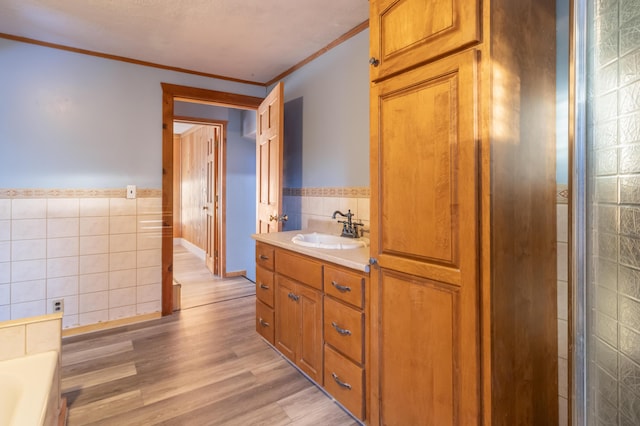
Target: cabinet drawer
<point>343,329</point>
<point>344,380</point>
<point>264,285</point>
<point>264,256</point>
<point>344,285</point>
<point>299,268</point>
<point>264,321</point>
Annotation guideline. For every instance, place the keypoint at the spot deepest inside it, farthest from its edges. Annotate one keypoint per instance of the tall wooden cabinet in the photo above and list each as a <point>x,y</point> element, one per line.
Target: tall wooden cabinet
<point>463,305</point>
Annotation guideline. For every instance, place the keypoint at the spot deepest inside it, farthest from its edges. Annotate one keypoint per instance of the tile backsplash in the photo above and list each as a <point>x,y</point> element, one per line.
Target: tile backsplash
<point>96,250</point>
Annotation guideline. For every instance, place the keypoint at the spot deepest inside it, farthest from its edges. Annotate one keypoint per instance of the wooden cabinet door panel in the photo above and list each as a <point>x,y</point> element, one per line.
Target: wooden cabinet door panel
<point>405,33</point>
<point>309,357</point>
<point>287,315</point>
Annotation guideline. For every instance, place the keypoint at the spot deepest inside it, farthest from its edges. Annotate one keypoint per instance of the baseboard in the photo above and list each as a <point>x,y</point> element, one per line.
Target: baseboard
<point>235,274</point>
<point>110,324</point>
<point>194,249</point>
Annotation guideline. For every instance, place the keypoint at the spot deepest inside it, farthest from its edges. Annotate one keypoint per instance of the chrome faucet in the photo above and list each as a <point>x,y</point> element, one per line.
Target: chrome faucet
<point>349,228</point>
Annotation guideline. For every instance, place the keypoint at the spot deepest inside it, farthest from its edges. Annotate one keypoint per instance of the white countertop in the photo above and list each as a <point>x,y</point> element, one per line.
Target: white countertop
<point>357,258</point>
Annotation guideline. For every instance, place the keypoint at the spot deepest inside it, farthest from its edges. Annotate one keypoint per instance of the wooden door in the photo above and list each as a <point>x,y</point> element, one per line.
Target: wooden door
<point>287,313</point>
<point>210,206</point>
<point>424,235</point>
<point>404,33</point>
<point>269,153</point>
<point>309,356</point>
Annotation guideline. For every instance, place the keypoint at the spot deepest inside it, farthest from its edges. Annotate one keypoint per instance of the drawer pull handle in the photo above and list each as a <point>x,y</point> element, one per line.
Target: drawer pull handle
<point>341,288</point>
<point>264,286</point>
<point>264,257</point>
<point>264,323</point>
<point>293,297</point>
<point>340,382</point>
<point>341,331</point>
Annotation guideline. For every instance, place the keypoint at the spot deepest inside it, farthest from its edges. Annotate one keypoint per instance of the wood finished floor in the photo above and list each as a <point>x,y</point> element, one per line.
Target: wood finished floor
<point>205,365</point>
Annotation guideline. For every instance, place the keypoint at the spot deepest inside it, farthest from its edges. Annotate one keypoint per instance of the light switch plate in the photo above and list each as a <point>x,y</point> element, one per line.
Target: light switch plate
<point>131,191</point>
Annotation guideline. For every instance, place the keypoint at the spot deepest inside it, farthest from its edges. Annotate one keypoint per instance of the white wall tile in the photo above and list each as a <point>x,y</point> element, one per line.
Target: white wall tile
<point>43,336</point>
<point>59,228</point>
<point>13,342</point>
<point>5,251</point>
<point>148,307</point>
<point>28,229</point>
<point>562,217</point>
<point>148,258</point>
<point>149,205</point>
<point>563,262</point>
<point>150,223</point>
<point>28,270</point>
<point>363,209</point>
<point>563,300</point>
<point>148,293</point>
<point>122,297</point>
<point>122,312</point>
<point>28,309</point>
<point>563,377</point>
<point>94,282</point>
<point>93,317</point>
<point>150,275</point>
<point>62,247</point>
<point>122,207</point>
<point>5,313</point>
<point>63,267</point>
<point>5,272</point>
<point>64,286</point>
<point>70,305</point>
<point>121,279</point>
<point>94,263</point>
<point>5,294</point>
<point>90,302</point>
<point>563,342</point>
<point>146,241</point>
<point>122,260</point>
<point>5,209</point>
<point>330,205</point>
<point>28,291</point>
<point>70,321</point>
<point>94,244</point>
<point>27,249</point>
<point>29,208</point>
<point>94,207</point>
<point>347,204</point>
<point>5,230</point>
<point>63,207</point>
<point>122,224</point>
<point>314,207</point>
<point>122,242</point>
<point>98,225</point>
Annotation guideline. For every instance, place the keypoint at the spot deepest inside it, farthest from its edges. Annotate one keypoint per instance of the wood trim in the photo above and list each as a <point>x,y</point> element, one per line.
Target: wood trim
<point>124,59</point>
<point>169,94</point>
<point>235,274</point>
<point>222,222</point>
<point>212,97</point>
<point>192,120</point>
<point>344,37</point>
<point>110,324</point>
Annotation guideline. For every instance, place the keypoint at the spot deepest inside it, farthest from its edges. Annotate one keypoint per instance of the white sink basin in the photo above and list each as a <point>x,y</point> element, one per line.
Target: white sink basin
<point>328,241</point>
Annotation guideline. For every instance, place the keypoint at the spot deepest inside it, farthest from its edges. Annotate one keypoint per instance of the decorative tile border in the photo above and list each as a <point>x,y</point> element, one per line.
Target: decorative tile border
<point>77,193</point>
<point>351,192</point>
<point>562,193</point>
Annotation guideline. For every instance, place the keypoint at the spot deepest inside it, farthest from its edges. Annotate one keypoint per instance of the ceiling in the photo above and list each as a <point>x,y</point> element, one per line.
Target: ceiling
<point>251,40</point>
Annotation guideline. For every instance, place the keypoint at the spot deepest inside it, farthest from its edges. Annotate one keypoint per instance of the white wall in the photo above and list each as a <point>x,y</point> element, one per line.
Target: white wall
<point>335,126</point>
<point>77,121</point>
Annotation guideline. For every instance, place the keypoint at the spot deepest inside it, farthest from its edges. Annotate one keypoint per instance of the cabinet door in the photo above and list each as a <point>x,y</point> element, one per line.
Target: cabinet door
<point>424,234</point>
<point>405,33</point>
<point>310,339</point>
<point>287,313</point>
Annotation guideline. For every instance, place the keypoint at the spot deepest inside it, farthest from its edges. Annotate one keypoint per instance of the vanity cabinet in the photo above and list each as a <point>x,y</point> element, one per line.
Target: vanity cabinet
<point>319,312</point>
<point>462,306</point>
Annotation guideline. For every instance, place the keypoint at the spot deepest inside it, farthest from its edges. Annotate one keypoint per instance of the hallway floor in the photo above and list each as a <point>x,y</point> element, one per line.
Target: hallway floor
<point>204,365</point>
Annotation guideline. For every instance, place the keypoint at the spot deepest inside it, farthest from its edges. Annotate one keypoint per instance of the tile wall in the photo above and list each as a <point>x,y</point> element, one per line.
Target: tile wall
<point>309,207</point>
<point>562,207</point>
<point>96,250</point>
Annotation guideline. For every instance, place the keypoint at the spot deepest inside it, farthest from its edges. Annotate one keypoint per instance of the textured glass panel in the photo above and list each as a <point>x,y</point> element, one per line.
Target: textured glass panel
<point>607,246</point>
<point>606,135</point>
<point>629,312</point>
<point>630,36</point>
<point>607,162</point>
<point>607,107</point>
<point>607,302</point>
<point>630,190</point>
<point>606,357</point>
<point>606,274</point>
<point>630,67</point>
<point>629,129</point>
<point>607,385</point>
<point>630,158</point>
<point>607,78</point>
<point>607,329</point>
<point>607,190</point>
<point>630,251</point>
<point>629,9</point>
<point>629,283</point>
<point>630,221</point>
<point>630,98</point>
<point>607,218</point>
<point>630,374</point>
<point>629,342</point>
<point>606,412</point>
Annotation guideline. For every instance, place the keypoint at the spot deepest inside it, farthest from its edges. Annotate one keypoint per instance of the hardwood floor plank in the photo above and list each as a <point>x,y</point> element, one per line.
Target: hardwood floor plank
<point>94,411</point>
<point>91,354</point>
<point>97,377</point>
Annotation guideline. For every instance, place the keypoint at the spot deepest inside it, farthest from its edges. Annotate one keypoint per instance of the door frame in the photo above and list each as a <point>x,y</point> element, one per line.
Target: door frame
<point>220,185</point>
<point>171,93</point>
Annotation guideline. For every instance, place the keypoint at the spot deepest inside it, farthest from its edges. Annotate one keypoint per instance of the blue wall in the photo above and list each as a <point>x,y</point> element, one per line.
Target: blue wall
<point>69,120</point>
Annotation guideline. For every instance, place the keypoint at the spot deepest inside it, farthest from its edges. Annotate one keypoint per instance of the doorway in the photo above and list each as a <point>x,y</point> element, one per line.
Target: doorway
<point>170,94</point>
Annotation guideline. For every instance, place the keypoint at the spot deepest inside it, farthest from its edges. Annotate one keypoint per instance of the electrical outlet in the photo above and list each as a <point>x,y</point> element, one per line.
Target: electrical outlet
<point>58,305</point>
<point>131,191</point>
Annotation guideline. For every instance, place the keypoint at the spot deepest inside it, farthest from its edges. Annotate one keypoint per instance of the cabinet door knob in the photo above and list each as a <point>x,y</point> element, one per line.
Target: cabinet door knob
<point>340,382</point>
<point>373,61</point>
